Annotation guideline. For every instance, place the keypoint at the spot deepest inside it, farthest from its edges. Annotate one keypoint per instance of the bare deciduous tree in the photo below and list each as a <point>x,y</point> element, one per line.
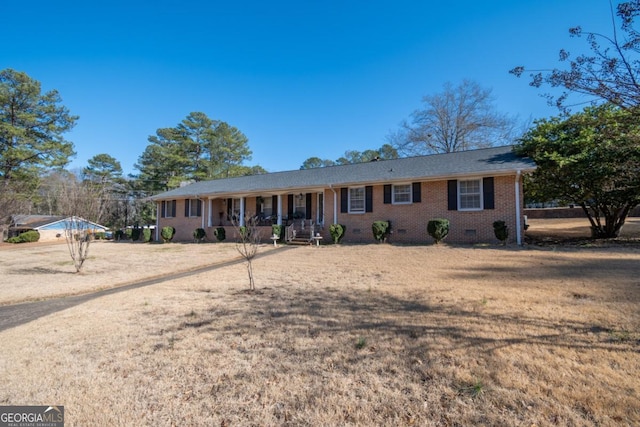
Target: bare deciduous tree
<point>458,118</point>
<point>247,243</point>
<point>78,236</point>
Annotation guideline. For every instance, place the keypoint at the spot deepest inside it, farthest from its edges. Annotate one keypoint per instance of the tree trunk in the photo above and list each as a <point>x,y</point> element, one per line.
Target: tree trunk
<point>614,219</point>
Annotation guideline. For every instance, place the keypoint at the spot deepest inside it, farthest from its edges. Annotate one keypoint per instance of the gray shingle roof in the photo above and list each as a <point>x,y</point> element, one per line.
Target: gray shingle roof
<point>488,161</point>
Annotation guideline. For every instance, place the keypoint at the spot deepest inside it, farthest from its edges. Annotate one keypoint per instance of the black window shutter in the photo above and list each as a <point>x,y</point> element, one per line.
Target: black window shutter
<point>162,209</point>
<point>199,207</point>
<point>387,194</point>
<point>258,206</point>
<point>417,192</point>
<point>186,207</point>
<point>229,207</point>
<point>452,190</point>
<point>274,205</point>
<point>173,208</point>
<point>368,198</point>
<point>488,193</point>
<point>290,206</point>
<point>344,200</point>
<point>308,206</point>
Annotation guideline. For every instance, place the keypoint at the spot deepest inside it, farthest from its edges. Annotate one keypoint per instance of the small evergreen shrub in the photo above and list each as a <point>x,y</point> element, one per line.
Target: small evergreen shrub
<point>337,232</point>
<point>438,229</point>
<point>199,234</point>
<point>501,231</point>
<point>128,233</point>
<point>146,235</point>
<point>220,233</point>
<point>277,230</point>
<point>119,235</point>
<point>26,237</point>
<point>135,234</point>
<point>167,233</point>
<point>381,230</point>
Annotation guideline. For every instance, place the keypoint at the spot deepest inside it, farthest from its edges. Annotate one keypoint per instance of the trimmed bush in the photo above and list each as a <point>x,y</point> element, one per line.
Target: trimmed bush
<point>199,234</point>
<point>501,231</point>
<point>438,229</point>
<point>167,233</point>
<point>135,234</point>
<point>220,233</point>
<point>381,230</point>
<point>146,235</point>
<point>337,232</point>
<point>26,237</point>
<point>277,230</point>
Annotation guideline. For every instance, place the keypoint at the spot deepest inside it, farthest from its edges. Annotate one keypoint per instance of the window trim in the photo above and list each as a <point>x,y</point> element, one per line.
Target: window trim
<point>480,194</point>
<point>169,208</point>
<point>364,200</point>
<point>393,194</point>
<point>190,209</point>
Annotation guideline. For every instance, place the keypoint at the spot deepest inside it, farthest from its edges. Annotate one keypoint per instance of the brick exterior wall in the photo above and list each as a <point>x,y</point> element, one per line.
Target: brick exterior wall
<point>409,221</point>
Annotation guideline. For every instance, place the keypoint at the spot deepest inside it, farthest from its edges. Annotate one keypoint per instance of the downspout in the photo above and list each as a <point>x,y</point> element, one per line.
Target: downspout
<point>335,204</point>
<point>158,209</point>
<point>518,213</point>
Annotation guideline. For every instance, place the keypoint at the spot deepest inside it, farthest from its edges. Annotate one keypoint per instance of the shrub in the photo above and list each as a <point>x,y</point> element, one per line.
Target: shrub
<point>277,230</point>
<point>244,232</point>
<point>128,233</point>
<point>501,231</point>
<point>146,235</point>
<point>119,235</point>
<point>220,233</point>
<point>135,234</point>
<point>199,234</point>
<point>438,229</point>
<point>381,230</point>
<point>337,232</point>
<point>167,233</point>
<point>26,237</point>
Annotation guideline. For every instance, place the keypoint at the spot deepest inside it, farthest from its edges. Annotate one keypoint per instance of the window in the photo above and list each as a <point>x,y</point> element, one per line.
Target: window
<point>299,206</point>
<point>168,209</point>
<point>192,208</point>
<point>402,194</point>
<point>267,206</point>
<point>470,194</point>
<point>357,200</point>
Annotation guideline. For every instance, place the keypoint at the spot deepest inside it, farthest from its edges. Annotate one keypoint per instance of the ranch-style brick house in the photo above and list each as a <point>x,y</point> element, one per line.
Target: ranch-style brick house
<point>471,189</point>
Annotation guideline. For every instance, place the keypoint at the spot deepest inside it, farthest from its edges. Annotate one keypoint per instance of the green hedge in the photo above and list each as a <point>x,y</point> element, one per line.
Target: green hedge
<point>220,233</point>
<point>337,232</point>
<point>438,229</point>
<point>167,233</point>
<point>199,234</point>
<point>381,230</point>
<point>26,237</point>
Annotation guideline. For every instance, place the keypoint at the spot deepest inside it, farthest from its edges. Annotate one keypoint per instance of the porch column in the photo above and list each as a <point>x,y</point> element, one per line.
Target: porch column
<point>241,211</point>
<point>210,213</point>
<point>279,222</point>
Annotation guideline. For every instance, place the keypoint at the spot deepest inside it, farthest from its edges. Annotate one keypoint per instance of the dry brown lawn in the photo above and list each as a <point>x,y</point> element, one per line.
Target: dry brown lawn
<point>338,335</point>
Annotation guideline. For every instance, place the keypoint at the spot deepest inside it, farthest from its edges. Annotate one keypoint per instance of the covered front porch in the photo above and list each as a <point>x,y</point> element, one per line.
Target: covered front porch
<point>301,214</point>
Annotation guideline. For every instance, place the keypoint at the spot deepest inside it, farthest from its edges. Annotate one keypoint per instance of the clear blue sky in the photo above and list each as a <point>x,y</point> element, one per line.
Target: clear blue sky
<point>300,79</point>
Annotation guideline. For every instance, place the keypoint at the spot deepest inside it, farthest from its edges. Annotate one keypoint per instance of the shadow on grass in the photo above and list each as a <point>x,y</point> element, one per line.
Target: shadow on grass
<point>332,312</point>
